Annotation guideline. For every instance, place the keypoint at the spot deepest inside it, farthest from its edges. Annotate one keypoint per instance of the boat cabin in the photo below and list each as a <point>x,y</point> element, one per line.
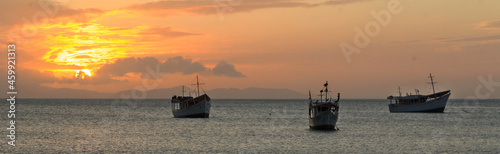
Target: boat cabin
<point>180,102</point>
<point>412,99</point>
<point>317,108</point>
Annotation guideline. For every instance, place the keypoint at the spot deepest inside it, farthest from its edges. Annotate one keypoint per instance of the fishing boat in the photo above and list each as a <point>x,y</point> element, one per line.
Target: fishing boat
<point>435,102</point>
<point>189,107</point>
<point>323,114</point>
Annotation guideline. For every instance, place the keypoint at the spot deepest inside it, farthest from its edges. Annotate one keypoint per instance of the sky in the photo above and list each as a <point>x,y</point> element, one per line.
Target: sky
<point>363,48</point>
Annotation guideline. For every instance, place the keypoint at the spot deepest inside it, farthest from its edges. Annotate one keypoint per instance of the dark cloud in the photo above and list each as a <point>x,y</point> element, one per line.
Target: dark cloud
<point>29,85</point>
<point>127,65</point>
<point>28,82</point>
<point>165,32</point>
<point>224,68</point>
<point>179,64</point>
<point>34,78</point>
<point>143,66</point>
<point>140,65</point>
<point>148,65</point>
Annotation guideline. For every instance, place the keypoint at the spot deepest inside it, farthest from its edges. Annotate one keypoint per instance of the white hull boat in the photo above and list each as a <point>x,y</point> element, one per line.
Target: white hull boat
<point>435,102</point>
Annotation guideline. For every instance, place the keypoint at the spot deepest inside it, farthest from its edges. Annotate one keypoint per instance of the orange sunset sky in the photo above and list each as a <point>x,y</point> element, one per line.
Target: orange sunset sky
<point>110,46</point>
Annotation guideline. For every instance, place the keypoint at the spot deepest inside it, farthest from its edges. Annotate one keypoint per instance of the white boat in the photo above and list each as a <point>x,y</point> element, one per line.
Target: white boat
<point>189,107</point>
<point>323,114</point>
<point>435,102</point>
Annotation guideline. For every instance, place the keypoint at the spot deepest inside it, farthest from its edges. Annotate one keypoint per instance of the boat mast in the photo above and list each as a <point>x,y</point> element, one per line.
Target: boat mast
<point>197,85</point>
<point>432,82</point>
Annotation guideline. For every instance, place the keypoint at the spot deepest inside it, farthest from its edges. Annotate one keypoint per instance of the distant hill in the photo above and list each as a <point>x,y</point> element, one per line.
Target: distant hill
<point>157,93</point>
<point>256,93</point>
<point>221,93</point>
<point>46,92</point>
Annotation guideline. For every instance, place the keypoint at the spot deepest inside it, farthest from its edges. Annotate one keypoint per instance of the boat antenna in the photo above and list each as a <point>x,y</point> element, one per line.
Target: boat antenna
<point>399,89</point>
<point>309,94</point>
<point>182,91</point>
<point>321,95</point>
<point>326,91</point>
<point>432,82</point>
<point>338,96</point>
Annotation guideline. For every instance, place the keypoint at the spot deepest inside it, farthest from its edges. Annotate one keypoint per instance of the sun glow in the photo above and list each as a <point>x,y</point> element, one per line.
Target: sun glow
<point>94,43</point>
<point>86,71</point>
<point>82,74</point>
<point>88,45</point>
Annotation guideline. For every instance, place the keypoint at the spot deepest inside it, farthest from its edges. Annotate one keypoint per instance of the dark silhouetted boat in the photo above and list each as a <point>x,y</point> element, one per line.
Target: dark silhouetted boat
<point>435,102</point>
<point>323,114</point>
<point>189,107</point>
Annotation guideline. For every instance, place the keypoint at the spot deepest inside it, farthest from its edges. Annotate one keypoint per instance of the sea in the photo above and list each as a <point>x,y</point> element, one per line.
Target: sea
<point>246,126</point>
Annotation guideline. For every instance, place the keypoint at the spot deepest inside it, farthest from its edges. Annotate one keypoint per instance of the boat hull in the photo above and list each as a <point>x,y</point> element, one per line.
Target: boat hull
<point>325,121</point>
<point>198,110</point>
<point>432,106</point>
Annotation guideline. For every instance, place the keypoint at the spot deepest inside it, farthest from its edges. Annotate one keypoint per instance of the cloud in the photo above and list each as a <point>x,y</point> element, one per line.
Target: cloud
<point>34,11</point>
<point>453,39</point>
<point>35,77</point>
<point>224,68</point>
<point>140,65</point>
<point>165,32</point>
<point>29,84</point>
<point>489,25</point>
<point>120,68</point>
<point>164,5</point>
<point>217,6</point>
<point>341,2</point>
<point>148,65</point>
<point>179,64</point>
<point>127,65</point>
<point>481,38</point>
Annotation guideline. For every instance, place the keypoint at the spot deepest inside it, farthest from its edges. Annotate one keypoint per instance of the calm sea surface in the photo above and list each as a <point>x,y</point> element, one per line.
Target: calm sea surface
<point>248,126</point>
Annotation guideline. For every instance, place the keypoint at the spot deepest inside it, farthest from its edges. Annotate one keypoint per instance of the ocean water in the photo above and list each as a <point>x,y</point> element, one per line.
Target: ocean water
<point>247,126</point>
